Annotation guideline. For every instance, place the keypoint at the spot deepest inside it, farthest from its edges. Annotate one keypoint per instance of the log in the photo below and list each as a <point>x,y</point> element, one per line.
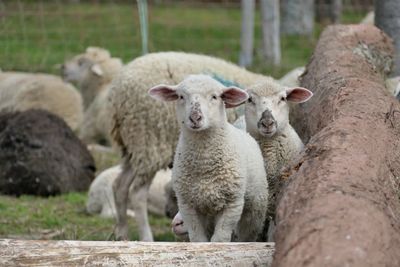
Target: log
<point>120,253</point>
<point>340,205</point>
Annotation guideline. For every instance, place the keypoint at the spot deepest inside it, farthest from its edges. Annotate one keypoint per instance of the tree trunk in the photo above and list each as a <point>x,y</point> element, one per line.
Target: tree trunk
<point>297,17</point>
<point>329,11</point>
<point>247,33</point>
<point>387,18</point>
<point>271,33</point>
<point>340,205</point>
<point>107,253</point>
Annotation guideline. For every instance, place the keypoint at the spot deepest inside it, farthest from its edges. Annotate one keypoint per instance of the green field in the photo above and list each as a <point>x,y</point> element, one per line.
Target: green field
<point>38,35</point>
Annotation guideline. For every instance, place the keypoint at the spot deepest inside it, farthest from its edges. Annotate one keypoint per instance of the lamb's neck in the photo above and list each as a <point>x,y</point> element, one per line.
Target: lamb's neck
<point>280,149</point>
<point>214,136</point>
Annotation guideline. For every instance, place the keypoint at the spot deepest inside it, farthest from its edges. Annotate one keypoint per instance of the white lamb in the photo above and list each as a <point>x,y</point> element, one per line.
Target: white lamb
<point>101,198</point>
<point>20,91</point>
<point>267,120</point>
<point>218,175</point>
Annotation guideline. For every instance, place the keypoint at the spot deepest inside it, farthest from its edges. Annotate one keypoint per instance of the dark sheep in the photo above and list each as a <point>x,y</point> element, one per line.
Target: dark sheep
<point>40,155</point>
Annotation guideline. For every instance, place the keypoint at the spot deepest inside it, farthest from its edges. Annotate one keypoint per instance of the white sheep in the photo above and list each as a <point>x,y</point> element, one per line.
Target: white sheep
<point>20,91</point>
<point>393,86</point>
<point>218,174</point>
<point>267,120</point>
<point>147,131</point>
<point>101,198</point>
<point>291,79</point>
<point>93,72</point>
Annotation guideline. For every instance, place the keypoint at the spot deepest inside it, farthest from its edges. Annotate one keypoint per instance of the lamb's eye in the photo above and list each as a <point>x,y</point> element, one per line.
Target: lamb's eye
<point>214,97</point>
<point>181,97</point>
<point>250,100</point>
<point>283,99</point>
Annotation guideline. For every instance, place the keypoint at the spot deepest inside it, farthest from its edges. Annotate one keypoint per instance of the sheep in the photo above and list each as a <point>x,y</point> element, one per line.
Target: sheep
<point>218,174</point>
<point>393,86</point>
<point>21,91</point>
<point>101,198</point>
<point>267,120</point>
<point>91,71</point>
<point>146,132</point>
<point>291,79</point>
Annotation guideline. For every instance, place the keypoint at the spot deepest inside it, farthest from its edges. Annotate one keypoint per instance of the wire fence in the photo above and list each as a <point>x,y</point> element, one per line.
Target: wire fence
<point>38,35</point>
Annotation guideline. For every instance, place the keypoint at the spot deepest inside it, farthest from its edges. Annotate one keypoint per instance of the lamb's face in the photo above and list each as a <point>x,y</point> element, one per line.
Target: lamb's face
<point>266,115</point>
<point>79,68</point>
<point>267,111</point>
<point>201,101</point>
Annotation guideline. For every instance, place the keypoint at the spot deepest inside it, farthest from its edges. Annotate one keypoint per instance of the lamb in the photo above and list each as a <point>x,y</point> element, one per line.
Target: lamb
<point>218,175</point>
<point>101,198</point>
<point>146,132</point>
<point>267,120</point>
<point>93,72</point>
<point>21,91</point>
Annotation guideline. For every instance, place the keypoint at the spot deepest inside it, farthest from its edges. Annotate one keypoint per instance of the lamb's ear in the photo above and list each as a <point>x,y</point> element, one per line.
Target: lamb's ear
<point>96,69</point>
<point>164,92</point>
<point>234,96</point>
<point>298,94</point>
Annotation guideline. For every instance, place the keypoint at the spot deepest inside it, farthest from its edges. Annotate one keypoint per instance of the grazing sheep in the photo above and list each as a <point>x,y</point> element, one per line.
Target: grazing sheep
<point>101,197</point>
<point>218,175</point>
<point>21,91</point>
<point>91,71</point>
<point>147,131</point>
<point>267,120</point>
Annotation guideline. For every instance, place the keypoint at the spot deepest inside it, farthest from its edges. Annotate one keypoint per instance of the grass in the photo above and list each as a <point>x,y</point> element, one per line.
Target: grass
<point>38,35</point>
<point>64,217</point>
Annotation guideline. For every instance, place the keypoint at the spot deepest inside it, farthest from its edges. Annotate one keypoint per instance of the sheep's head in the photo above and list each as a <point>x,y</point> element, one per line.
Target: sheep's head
<point>80,67</point>
<point>267,110</point>
<point>201,101</point>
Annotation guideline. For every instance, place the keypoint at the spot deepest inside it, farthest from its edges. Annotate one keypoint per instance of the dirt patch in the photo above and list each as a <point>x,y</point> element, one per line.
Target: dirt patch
<point>340,206</point>
<point>40,155</point>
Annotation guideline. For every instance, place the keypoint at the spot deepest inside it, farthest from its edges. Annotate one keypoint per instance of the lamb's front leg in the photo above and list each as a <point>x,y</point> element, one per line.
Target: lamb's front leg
<point>226,221</point>
<point>194,223</point>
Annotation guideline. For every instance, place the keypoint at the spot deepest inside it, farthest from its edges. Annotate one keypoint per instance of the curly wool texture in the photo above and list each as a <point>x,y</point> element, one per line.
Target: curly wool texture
<point>145,130</point>
<point>278,151</point>
<point>218,175</point>
<point>21,91</point>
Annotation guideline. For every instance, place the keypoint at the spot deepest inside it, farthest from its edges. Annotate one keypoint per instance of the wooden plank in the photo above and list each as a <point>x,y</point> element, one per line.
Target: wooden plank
<point>123,253</point>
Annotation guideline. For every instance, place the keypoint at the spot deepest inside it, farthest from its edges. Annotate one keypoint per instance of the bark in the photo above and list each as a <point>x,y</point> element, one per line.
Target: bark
<point>247,33</point>
<point>107,253</point>
<point>297,17</point>
<point>340,205</point>
<point>271,33</point>
<point>387,18</point>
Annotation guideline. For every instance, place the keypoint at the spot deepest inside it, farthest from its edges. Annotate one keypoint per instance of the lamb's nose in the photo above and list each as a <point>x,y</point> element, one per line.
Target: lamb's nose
<point>195,117</point>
